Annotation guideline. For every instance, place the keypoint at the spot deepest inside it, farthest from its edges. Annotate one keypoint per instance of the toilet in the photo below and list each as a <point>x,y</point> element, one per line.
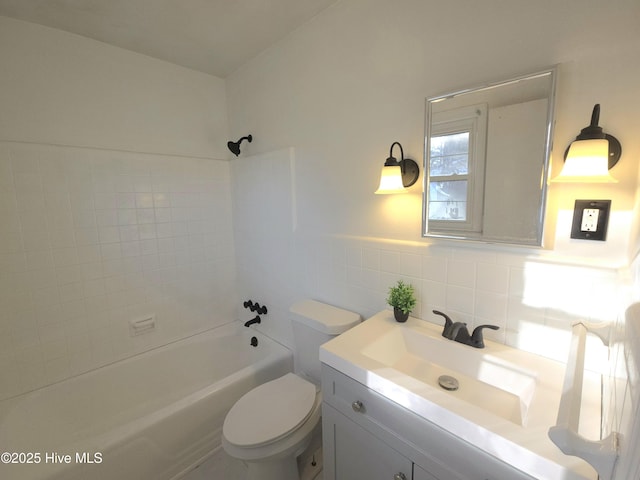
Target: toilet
<point>270,426</point>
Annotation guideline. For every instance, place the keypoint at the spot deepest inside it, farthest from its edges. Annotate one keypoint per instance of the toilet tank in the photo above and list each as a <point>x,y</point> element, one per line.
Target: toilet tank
<point>315,323</point>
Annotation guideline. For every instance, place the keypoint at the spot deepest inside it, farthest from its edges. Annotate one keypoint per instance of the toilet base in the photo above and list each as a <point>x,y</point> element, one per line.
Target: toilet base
<point>280,469</point>
<point>284,465</point>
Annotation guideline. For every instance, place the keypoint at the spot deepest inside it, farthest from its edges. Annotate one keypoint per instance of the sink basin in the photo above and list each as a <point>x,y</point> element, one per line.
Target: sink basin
<point>485,381</point>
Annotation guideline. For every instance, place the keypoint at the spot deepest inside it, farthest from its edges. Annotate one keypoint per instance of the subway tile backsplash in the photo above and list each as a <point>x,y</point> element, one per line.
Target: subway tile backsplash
<point>534,299</point>
<point>90,239</point>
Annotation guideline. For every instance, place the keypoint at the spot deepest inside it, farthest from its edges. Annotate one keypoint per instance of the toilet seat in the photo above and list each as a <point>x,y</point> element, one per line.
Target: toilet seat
<point>270,412</point>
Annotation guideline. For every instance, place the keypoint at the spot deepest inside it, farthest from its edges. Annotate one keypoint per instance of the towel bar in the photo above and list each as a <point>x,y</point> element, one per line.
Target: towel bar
<point>601,454</point>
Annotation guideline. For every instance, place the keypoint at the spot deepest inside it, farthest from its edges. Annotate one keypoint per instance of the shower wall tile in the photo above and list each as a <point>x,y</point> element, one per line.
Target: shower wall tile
<point>91,239</point>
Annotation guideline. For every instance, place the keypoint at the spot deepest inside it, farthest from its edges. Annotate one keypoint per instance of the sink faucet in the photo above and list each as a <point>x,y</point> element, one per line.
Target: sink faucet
<point>458,331</point>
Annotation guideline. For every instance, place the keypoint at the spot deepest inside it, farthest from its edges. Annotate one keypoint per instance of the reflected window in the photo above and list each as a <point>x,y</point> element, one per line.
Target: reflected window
<point>456,168</point>
<point>449,158</point>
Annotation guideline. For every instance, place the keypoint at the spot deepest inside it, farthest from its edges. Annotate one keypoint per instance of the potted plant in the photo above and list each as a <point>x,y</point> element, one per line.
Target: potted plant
<point>402,299</point>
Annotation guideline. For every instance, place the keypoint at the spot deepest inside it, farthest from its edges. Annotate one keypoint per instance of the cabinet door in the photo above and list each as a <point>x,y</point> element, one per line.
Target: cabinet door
<point>420,473</point>
<point>352,453</point>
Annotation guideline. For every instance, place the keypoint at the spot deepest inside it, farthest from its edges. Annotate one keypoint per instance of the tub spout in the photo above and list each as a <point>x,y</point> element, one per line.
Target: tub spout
<point>252,321</point>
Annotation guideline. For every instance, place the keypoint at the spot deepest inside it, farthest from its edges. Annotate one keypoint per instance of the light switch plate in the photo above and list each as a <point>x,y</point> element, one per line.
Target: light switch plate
<point>590,219</point>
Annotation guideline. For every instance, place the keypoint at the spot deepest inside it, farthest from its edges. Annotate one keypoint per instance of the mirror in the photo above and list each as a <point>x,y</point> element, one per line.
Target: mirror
<point>487,160</point>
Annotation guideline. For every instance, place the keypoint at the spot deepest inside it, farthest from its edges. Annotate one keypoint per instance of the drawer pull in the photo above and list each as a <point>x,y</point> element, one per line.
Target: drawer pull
<point>358,406</point>
<point>399,476</point>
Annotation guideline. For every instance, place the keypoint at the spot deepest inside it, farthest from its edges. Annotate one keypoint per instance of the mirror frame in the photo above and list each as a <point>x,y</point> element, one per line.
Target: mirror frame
<point>462,235</point>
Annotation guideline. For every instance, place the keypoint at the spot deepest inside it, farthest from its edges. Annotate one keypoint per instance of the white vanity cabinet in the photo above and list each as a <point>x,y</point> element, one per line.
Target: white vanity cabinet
<point>356,453</point>
<point>369,437</point>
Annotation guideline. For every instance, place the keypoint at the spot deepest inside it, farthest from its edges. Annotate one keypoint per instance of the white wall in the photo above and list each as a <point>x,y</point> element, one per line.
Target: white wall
<point>64,89</point>
<point>634,246</point>
<point>345,86</point>
<point>113,206</point>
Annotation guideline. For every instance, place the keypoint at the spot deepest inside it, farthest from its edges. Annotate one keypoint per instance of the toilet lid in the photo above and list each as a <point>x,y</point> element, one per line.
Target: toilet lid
<point>269,411</point>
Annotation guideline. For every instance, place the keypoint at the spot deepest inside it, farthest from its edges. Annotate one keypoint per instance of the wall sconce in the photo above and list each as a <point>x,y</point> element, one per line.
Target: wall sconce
<point>591,155</point>
<point>397,175</point>
<point>234,147</point>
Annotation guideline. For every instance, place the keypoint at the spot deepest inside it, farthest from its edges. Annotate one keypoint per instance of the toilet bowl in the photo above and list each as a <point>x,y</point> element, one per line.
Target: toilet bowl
<point>270,426</point>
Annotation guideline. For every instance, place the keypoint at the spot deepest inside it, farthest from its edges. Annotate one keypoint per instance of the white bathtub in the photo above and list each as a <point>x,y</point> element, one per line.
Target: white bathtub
<point>152,416</point>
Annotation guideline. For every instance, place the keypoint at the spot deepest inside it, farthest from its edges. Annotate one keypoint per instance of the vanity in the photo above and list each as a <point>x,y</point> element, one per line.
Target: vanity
<point>387,416</point>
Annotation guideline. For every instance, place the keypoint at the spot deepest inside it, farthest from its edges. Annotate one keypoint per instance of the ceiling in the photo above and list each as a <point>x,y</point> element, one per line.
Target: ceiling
<point>212,36</point>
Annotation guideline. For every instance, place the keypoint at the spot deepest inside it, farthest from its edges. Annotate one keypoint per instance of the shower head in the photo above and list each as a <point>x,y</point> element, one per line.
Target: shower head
<point>235,146</point>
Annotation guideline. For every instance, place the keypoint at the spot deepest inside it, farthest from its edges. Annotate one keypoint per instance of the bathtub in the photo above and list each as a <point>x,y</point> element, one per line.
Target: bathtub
<point>152,416</point>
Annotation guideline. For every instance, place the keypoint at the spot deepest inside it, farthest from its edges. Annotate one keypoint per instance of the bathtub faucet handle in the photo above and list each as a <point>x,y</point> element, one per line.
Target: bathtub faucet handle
<point>255,307</point>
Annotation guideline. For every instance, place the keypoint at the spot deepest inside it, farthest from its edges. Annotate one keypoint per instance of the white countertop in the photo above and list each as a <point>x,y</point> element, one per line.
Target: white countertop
<point>526,447</point>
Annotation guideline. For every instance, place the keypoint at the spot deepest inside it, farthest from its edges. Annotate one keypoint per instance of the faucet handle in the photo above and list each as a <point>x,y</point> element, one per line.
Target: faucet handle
<point>448,323</point>
<point>477,339</point>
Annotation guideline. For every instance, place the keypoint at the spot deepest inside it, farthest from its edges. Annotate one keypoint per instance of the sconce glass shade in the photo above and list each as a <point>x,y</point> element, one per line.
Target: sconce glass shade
<point>591,155</point>
<point>397,175</point>
<point>391,180</point>
<point>587,161</point>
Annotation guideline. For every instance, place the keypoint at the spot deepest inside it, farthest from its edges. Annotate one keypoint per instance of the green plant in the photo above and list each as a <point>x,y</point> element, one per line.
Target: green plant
<point>402,296</point>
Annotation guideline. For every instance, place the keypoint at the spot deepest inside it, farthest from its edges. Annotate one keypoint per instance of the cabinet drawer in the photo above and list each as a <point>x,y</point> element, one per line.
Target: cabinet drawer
<point>437,451</point>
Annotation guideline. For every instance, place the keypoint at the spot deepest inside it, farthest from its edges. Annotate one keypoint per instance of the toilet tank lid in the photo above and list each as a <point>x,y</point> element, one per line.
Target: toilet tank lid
<point>324,318</point>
